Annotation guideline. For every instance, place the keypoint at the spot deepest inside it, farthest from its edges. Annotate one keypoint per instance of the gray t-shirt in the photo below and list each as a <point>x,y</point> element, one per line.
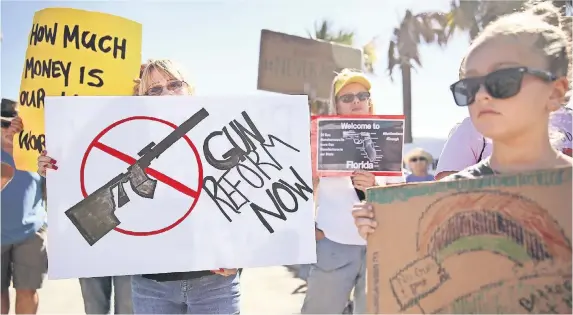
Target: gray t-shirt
<point>480,169</point>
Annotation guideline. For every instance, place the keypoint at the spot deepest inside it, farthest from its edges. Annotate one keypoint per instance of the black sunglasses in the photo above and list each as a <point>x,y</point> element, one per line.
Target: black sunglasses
<point>416,159</point>
<point>349,98</point>
<point>501,84</point>
<point>171,86</point>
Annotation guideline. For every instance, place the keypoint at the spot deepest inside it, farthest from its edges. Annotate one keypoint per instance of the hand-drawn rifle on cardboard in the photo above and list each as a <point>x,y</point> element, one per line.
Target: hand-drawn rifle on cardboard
<point>94,216</point>
<point>364,139</point>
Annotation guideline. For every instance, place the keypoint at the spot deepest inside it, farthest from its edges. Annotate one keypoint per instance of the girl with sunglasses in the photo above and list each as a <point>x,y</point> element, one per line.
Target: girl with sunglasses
<point>513,77</point>
<point>194,292</point>
<point>466,146</point>
<point>340,250</point>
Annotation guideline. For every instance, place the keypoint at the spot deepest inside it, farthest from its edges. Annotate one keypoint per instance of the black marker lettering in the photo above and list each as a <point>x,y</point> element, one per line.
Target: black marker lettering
<point>230,159</point>
<point>47,68</point>
<point>283,187</point>
<point>94,74</point>
<point>33,98</point>
<point>93,42</point>
<point>43,34</point>
<point>259,212</point>
<point>28,141</point>
<point>259,177</point>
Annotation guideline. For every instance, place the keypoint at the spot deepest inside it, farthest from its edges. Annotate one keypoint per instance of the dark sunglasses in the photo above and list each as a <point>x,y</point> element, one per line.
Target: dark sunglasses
<point>171,86</point>
<point>416,159</point>
<point>501,84</point>
<point>349,98</point>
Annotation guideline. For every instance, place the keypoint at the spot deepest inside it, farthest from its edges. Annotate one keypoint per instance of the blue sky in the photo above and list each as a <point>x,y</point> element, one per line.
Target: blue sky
<point>217,43</point>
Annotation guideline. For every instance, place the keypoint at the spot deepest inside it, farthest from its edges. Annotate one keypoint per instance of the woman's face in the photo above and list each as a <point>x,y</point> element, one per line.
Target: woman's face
<point>161,84</point>
<point>508,118</point>
<point>418,164</point>
<point>353,99</point>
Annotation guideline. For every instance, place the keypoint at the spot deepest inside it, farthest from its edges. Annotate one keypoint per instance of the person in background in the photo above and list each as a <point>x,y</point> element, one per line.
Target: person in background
<point>514,76</point>
<point>341,252</point>
<point>24,258</point>
<point>418,162</point>
<point>193,292</point>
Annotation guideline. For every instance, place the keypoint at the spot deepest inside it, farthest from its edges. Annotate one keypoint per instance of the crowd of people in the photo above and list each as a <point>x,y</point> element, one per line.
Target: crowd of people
<point>514,81</point>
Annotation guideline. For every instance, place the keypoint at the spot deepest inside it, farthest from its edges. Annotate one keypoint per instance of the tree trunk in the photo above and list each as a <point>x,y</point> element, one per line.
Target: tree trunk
<point>407,101</point>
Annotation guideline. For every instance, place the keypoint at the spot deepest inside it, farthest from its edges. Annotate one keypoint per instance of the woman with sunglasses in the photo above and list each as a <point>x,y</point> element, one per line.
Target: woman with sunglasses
<point>194,292</point>
<point>340,265</point>
<point>530,55</point>
<point>418,161</point>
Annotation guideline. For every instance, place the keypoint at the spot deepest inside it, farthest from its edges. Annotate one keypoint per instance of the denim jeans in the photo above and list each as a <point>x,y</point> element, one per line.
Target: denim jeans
<point>213,294</point>
<point>339,269</point>
<point>97,294</point>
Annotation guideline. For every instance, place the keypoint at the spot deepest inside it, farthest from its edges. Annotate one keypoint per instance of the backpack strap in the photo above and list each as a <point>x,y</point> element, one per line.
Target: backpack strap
<point>482,149</point>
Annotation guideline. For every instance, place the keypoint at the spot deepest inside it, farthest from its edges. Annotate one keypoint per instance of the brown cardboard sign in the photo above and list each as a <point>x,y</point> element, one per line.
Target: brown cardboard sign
<point>497,244</point>
<point>295,65</point>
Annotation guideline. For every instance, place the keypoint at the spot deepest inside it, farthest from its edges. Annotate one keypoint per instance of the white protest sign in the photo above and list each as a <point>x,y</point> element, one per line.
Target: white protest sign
<point>228,184</point>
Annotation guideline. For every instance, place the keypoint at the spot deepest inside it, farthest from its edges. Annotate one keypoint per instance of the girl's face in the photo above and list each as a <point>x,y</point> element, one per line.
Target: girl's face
<point>353,99</point>
<point>507,118</point>
<point>162,84</point>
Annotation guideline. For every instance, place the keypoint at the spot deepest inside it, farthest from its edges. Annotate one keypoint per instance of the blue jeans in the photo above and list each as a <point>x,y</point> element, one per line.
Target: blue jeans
<point>213,294</point>
<point>97,294</point>
<point>339,269</point>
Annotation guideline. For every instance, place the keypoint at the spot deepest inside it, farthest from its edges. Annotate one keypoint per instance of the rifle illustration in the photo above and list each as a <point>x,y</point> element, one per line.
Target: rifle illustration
<point>364,139</point>
<point>94,216</point>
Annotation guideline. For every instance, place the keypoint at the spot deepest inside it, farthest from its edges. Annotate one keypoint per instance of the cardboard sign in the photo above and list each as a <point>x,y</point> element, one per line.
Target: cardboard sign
<point>72,52</point>
<point>344,144</point>
<point>184,183</point>
<point>492,245</point>
<point>295,65</point>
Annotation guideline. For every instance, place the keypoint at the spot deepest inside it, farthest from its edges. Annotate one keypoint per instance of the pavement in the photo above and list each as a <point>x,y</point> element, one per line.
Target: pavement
<point>268,290</point>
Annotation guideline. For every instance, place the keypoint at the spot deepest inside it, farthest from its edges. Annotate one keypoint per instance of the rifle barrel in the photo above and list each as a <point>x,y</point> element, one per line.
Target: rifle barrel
<point>173,137</point>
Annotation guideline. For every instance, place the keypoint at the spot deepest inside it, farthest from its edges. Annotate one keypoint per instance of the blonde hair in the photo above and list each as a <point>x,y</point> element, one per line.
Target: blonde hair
<point>332,108</point>
<point>164,66</point>
<point>540,20</point>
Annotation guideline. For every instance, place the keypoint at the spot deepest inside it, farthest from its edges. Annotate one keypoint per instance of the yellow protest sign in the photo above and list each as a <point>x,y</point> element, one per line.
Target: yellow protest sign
<point>72,52</point>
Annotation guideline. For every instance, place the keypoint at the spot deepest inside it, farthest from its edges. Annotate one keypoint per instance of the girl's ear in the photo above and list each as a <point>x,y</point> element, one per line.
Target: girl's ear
<point>557,97</point>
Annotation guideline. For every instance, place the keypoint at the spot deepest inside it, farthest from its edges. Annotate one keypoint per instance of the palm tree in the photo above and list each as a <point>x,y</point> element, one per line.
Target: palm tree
<point>324,30</point>
<point>403,52</point>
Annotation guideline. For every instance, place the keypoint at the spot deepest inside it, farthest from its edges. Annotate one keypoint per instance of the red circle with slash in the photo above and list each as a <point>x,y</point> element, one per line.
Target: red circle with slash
<point>160,177</point>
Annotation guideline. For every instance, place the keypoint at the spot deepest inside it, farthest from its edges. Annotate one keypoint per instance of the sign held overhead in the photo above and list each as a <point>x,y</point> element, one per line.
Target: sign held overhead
<point>295,65</point>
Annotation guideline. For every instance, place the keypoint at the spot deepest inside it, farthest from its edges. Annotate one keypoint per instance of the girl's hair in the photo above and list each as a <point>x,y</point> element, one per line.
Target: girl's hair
<point>332,108</point>
<point>542,21</point>
<point>165,67</point>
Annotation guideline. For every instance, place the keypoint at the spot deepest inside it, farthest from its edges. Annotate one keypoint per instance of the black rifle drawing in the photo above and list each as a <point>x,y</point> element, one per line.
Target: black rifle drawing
<point>94,216</point>
<point>364,139</point>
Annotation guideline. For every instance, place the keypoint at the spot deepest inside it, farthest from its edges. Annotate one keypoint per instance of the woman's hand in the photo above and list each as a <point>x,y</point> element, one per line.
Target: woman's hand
<point>363,214</point>
<point>224,272</point>
<point>16,126</point>
<point>362,180</point>
<point>45,162</point>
